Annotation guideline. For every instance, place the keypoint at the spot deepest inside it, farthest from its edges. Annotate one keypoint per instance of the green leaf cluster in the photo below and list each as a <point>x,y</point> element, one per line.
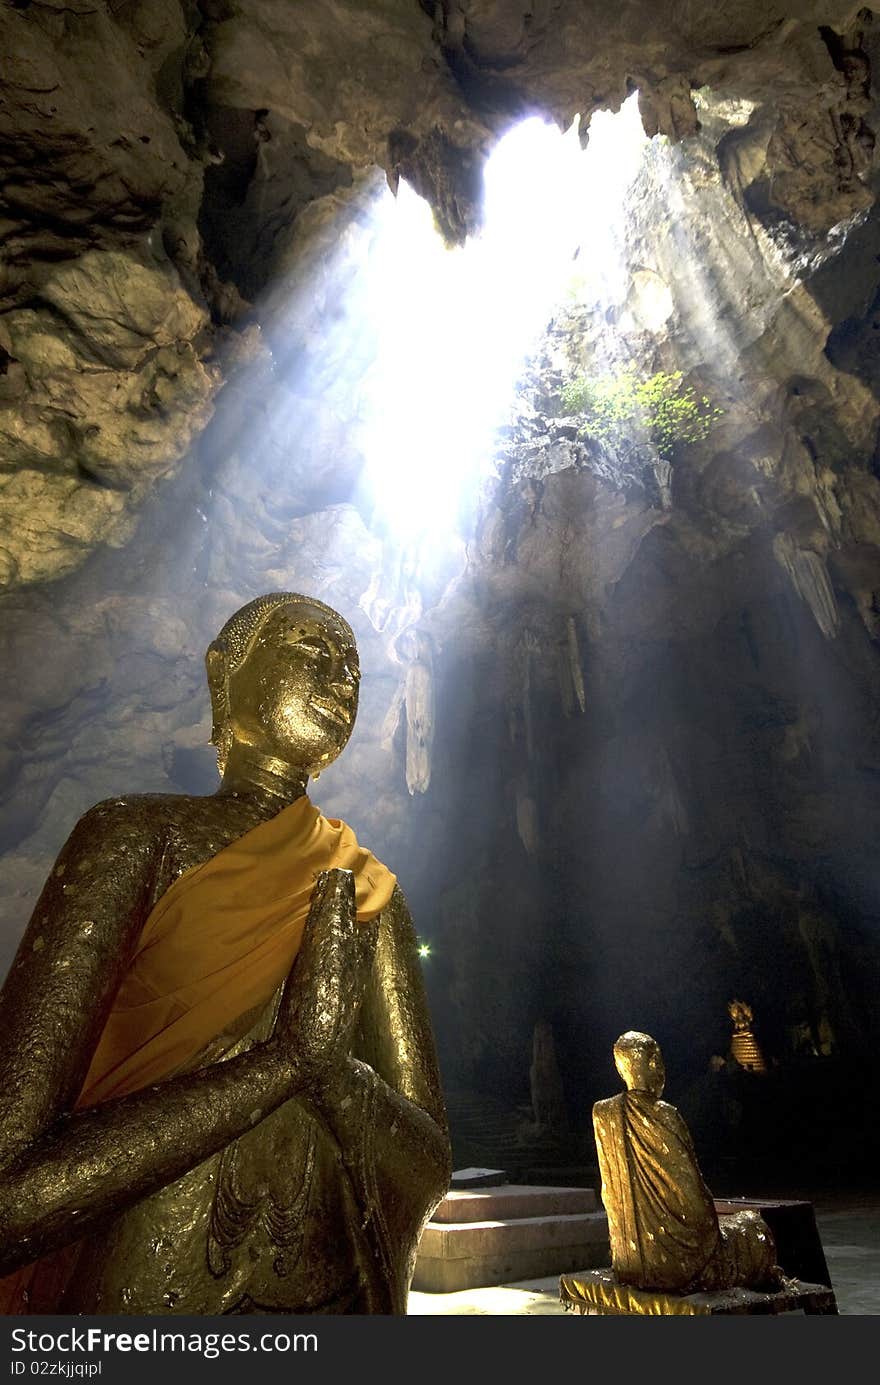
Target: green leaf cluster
<point>622,407</point>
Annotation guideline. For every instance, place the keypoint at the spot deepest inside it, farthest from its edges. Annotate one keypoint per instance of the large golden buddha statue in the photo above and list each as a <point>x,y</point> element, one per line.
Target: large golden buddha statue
<point>662,1223</point>
<point>218,1085</point>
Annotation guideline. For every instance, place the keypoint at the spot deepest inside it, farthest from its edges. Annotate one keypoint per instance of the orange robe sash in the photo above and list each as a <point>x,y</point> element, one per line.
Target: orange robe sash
<point>220,941</point>
<point>217,944</point>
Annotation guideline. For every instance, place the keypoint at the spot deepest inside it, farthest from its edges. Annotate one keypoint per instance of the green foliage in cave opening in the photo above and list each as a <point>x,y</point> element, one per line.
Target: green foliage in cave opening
<point>619,409</point>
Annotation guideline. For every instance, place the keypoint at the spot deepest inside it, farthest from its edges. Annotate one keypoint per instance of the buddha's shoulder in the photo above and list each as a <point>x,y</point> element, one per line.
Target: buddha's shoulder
<point>397,908</point>
<point>606,1106</point>
<point>667,1108</point>
<point>152,816</point>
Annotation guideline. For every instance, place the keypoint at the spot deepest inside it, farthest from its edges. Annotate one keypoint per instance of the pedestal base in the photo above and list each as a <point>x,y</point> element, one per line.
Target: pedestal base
<point>599,1293</point>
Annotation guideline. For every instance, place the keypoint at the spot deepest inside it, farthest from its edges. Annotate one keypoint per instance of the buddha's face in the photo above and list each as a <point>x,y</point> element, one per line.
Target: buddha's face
<point>295,695</point>
<point>639,1061</point>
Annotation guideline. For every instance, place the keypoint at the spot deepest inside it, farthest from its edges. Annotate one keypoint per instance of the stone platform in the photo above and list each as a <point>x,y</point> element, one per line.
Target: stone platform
<point>484,1236</point>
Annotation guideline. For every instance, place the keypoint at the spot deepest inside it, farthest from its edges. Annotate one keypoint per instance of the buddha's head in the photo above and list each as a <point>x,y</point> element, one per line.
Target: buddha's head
<point>284,676</point>
<point>639,1061</point>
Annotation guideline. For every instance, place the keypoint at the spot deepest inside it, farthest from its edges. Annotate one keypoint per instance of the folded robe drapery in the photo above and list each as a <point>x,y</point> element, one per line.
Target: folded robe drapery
<point>662,1222</point>
<point>664,1230</point>
<point>218,943</point>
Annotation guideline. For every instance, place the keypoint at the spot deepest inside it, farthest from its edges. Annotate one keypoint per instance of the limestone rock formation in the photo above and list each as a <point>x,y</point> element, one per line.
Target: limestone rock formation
<point>213,132</point>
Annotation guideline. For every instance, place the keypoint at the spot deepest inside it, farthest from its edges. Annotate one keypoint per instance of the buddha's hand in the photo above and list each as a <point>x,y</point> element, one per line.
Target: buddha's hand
<point>323,992</point>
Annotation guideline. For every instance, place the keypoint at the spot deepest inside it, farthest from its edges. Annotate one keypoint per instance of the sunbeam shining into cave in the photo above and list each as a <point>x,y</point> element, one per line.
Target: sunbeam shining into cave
<point>454,326</point>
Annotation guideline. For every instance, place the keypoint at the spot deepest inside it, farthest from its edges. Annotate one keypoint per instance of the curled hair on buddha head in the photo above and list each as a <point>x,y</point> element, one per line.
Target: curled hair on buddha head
<point>231,647</point>
<point>639,1061</point>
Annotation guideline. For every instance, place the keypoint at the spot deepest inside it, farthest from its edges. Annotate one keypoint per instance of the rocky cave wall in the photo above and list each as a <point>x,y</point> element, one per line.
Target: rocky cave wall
<point>629,762</point>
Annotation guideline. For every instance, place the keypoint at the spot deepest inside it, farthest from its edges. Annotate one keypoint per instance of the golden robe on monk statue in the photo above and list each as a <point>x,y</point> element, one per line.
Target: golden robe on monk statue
<point>663,1226</point>
<point>218,1085</point>
<point>664,1230</point>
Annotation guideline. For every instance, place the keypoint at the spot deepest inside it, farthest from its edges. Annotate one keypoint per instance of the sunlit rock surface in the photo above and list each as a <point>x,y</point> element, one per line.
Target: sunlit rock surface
<point>620,738</point>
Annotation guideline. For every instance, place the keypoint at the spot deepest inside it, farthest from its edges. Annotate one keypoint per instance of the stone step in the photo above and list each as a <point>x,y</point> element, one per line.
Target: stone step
<point>510,1201</point>
<point>468,1255</point>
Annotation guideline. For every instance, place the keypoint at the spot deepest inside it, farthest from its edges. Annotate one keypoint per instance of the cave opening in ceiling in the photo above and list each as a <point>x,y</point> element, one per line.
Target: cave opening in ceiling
<point>453,327</point>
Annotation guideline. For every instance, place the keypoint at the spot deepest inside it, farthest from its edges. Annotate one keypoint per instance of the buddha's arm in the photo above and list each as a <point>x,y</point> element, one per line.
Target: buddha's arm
<point>386,1109</point>
<point>62,1173</point>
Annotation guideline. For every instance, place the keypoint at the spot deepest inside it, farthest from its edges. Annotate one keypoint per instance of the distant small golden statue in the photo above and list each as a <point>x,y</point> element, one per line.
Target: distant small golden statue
<point>664,1230</point>
<point>744,1047</point>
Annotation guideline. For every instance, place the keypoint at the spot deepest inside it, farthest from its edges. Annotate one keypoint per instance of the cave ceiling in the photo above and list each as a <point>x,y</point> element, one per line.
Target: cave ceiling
<point>163,163</point>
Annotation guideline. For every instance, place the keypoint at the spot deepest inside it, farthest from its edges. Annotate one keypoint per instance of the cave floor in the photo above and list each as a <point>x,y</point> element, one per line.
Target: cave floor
<point>850,1232</point>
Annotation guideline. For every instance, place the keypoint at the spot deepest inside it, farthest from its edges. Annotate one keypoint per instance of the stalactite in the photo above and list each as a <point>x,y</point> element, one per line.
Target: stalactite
<point>563,670</point>
<point>528,646</point>
<point>809,577</point>
<point>512,724</point>
<point>419,701</point>
<point>527,820</point>
<point>391,720</point>
<point>574,663</point>
<point>663,474</point>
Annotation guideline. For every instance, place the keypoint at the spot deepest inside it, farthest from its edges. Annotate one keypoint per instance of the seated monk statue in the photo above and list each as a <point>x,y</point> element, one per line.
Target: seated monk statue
<point>662,1223</point>
<point>218,1084</point>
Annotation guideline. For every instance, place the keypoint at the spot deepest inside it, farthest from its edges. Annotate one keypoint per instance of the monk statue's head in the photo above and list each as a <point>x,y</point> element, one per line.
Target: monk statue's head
<point>639,1061</point>
<point>284,676</point>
